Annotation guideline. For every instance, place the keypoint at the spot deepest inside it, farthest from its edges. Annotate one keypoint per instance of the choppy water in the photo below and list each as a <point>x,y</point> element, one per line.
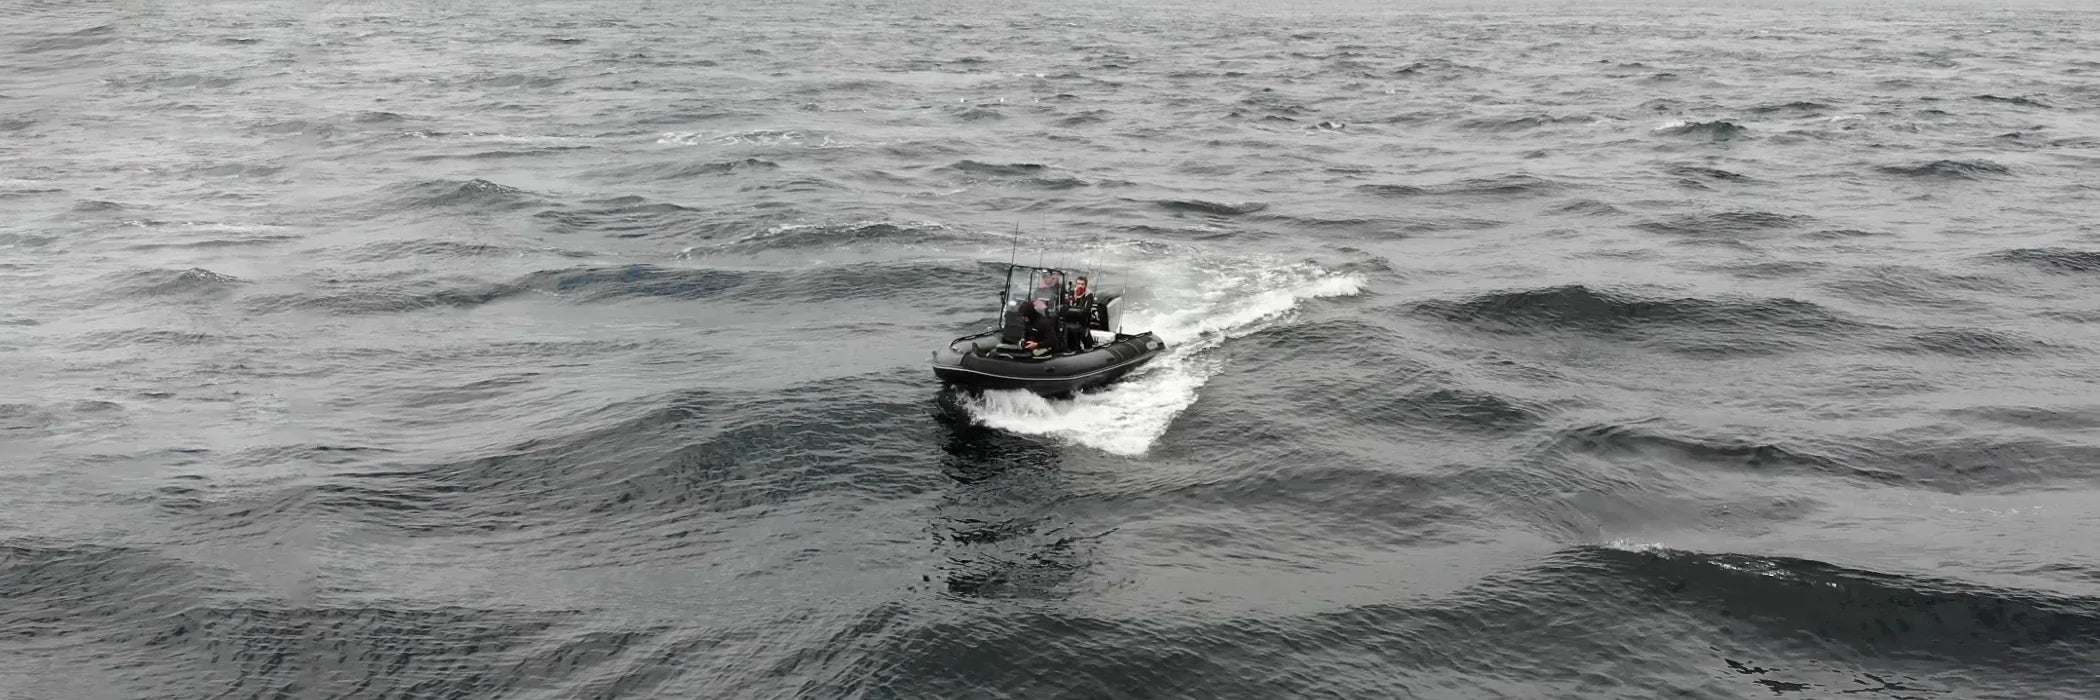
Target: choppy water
<point>561,350</point>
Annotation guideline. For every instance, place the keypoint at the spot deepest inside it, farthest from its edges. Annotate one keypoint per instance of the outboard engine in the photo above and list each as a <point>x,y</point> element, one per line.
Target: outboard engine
<point>1107,307</point>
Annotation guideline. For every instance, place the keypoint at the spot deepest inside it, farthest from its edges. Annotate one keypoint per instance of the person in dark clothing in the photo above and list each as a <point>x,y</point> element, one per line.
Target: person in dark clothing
<point>1039,330</point>
<point>1079,307</point>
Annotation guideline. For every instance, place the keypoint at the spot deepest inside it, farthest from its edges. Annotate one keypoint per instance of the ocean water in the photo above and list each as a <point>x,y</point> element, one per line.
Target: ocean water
<point>1520,350</point>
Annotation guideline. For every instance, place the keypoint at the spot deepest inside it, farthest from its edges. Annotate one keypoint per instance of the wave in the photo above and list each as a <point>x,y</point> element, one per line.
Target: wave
<point>1740,222</point>
<point>626,217</point>
<point>1970,342</point>
<point>1509,124</point>
<point>1644,442</point>
<point>1798,108</point>
<point>1198,206</point>
<point>1874,613</point>
<point>681,460</point>
<point>2020,101</point>
<point>1439,68</point>
<point>998,169</point>
<point>1605,312</point>
<point>470,194</point>
<point>1587,207</point>
<point>601,283</point>
<point>2055,259</point>
<point>1702,173</point>
<point>383,251</point>
<point>1714,130</point>
<point>103,340</point>
<point>876,232</point>
<point>90,37</point>
<point>1949,169</point>
<point>192,283</point>
<point>1513,185</point>
<point>1194,311</point>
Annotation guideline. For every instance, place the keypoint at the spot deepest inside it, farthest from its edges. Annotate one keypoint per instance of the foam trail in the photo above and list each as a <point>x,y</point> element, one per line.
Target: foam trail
<point>1193,318</point>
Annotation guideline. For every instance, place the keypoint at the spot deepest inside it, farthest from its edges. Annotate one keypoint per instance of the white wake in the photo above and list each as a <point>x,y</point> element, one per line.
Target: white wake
<point>1194,311</point>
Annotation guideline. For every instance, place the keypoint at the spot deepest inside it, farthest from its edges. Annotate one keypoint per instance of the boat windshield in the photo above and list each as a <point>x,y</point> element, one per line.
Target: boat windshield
<point>1033,283</point>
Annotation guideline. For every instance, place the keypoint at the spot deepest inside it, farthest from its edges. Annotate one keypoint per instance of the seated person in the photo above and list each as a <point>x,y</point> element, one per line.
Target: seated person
<point>1039,331</point>
<point>1079,304</point>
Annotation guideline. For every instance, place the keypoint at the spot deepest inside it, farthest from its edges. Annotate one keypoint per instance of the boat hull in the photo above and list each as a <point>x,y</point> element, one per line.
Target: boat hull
<point>974,362</point>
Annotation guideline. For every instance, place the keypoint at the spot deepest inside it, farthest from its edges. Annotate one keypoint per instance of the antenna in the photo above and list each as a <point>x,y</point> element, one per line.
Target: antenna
<point>1015,252</point>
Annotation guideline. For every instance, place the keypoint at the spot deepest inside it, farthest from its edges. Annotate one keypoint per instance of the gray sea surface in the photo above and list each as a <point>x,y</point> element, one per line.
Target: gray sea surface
<point>579,350</point>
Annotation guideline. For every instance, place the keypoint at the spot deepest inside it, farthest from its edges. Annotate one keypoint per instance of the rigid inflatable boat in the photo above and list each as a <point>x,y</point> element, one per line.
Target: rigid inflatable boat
<point>1077,343</point>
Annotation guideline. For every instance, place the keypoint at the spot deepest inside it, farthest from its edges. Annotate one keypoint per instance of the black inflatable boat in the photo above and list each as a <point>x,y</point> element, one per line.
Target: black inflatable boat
<point>1068,341</point>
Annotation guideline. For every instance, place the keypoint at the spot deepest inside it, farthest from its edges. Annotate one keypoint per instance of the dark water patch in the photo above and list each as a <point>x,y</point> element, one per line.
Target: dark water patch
<point>1364,384</point>
<point>1586,207</point>
<point>1512,124</point>
<point>1771,269</point>
<point>514,80</point>
<point>1198,206</point>
<point>1688,325</point>
<point>20,418</point>
<point>1699,173</point>
<point>2019,101</point>
<point>1470,410</point>
<point>498,154</point>
<point>297,127</point>
<point>1053,183</point>
<point>1839,234</point>
<point>1086,118</point>
<point>192,283</point>
<point>797,236</point>
<point>682,455</point>
<point>1974,343</point>
<point>625,217</point>
<point>2023,633</point>
<point>237,170</point>
<point>2043,418</point>
<point>100,206</point>
<point>1713,130</point>
<point>378,117</point>
<point>677,171</point>
<point>1958,459</point>
<point>1646,443</point>
<point>267,649</point>
<point>601,283</point>
<point>998,169</point>
<point>93,595</point>
<point>136,337</point>
<point>453,194</point>
<point>798,184</point>
<point>1949,169</point>
<point>72,41</point>
<point>1739,223</point>
<point>360,298</point>
<point>597,284</point>
<point>207,243</point>
<point>422,248</point>
<point>1514,185</point>
<point>978,113</point>
<point>178,82</point>
<point>1438,69</point>
<point>1799,108</point>
<point>1894,288</point>
<point>1357,225</point>
<point>2054,259</point>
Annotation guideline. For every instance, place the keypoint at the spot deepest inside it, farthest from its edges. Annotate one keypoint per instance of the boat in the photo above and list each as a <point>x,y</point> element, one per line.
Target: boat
<point>1090,351</point>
